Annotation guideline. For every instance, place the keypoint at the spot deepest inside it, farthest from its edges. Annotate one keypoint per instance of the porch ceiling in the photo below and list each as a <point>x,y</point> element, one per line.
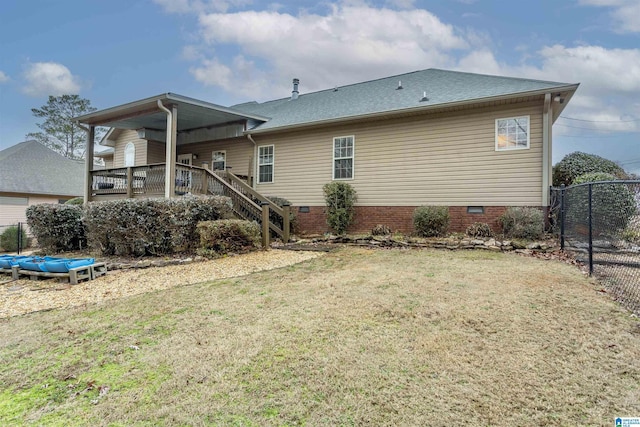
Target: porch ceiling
<point>192,114</point>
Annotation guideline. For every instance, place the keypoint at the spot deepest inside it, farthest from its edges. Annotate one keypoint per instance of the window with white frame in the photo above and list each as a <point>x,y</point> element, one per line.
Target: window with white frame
<point>343,151</point>
<point>130,155</point>
<point>265,163</point>
<point>512,133</point>
<point>219,160</point>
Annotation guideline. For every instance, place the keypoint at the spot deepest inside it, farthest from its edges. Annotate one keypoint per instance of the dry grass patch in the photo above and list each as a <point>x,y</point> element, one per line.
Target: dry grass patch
<point>352,338</point>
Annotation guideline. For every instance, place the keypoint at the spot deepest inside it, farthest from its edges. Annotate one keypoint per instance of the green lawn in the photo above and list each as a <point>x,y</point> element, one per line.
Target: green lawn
<point>357,337</point>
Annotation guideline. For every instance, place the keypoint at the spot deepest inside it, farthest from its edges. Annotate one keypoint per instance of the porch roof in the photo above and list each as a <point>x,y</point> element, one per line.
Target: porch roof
<point>144,113</point>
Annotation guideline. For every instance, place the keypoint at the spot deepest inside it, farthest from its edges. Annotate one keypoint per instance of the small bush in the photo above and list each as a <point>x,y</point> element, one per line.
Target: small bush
<point>613,205</point>
<point>340,198</point>
<point>380,230</point>
<point>9,239</point>
<point>431,221</point>
<point>576,164</point>
<point>151,226</point>
<point>522,223</point>
<point>479,230</point>
<point>57,228</point>
<point>228,236</point>
<point>75,201</point>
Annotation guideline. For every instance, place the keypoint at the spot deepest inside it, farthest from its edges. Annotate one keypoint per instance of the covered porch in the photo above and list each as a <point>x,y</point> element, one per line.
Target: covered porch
<point>171,120</point>
<point>178,124</point>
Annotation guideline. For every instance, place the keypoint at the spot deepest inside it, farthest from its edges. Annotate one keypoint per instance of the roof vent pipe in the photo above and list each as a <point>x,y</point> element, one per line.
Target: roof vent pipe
<point>294,93</point>
<point>399,85</point>
<point>424,97</point>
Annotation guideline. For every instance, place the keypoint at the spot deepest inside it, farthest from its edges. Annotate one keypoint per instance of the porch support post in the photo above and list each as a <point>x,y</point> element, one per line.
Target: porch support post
<point>88,164</point>
<point>546,149</point>
<point>170,154</point>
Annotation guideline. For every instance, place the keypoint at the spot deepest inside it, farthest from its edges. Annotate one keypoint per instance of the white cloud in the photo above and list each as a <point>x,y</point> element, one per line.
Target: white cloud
<point>351,43</point>
<point>609,80</point>
<point>49,78</point>
<point>355,41</point>
<point>3,77</point>
<point>625,13</point>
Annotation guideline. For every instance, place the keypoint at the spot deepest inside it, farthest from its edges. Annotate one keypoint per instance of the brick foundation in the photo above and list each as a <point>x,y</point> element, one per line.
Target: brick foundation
<point>398,218</point>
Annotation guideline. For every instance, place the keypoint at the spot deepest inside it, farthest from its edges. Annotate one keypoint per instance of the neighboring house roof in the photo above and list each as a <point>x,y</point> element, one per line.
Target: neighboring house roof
<point>441,88</point>
<point>30,167</point>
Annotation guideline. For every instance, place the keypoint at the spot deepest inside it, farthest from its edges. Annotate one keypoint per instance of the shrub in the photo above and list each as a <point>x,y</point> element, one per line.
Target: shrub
<point>75,201</point>
<point>281,201</point>
<point>431,221</point>
<point>9,239</point>
<point>57,228</point>
<point>613,205</point>
<point>151,226</point>
<point>228,236</point>
<point>479,229</point>
<point>340,198</point>
<point>522,223</point>
<point>576,164</point>
<point>380,230</point>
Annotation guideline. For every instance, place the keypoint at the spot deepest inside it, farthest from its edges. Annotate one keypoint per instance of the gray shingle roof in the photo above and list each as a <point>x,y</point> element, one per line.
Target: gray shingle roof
<point>380,96</point>
<point>30,167</point>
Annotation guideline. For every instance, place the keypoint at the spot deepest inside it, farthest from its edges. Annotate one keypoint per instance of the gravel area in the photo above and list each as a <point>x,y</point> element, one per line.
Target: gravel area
<point>25,296</point>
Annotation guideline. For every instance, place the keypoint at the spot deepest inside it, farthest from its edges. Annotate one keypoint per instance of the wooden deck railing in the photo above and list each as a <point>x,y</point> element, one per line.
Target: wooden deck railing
<point>149,180</point>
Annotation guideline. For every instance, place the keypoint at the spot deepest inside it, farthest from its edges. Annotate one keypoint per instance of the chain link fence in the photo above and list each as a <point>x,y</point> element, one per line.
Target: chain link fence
<point>599,222</point>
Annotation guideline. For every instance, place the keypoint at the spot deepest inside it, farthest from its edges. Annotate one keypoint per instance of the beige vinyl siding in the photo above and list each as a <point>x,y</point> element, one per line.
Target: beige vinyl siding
<point>156,152</point>
<point>444,159</point>
<point>239,153</point>
<point>12,214</point>
<point>122,140</point>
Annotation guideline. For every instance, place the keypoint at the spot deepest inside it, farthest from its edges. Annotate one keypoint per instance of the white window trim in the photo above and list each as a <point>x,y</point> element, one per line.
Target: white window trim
<point>516,147</point>
<point>213,159</point>
<point>273,165</point>
<point>133,151</point>
<point>353,158</point>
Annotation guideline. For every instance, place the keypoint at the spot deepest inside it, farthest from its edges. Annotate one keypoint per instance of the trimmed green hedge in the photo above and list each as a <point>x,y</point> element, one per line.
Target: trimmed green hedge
<point>576,164</point>
<point>151,226</point>
<point>57,228</point>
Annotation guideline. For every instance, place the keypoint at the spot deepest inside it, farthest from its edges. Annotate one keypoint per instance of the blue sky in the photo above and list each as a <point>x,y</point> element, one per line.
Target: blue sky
<point>231,51</point>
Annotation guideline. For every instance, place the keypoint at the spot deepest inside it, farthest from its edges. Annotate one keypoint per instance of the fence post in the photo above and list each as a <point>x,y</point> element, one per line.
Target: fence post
<point>205,181</point>
<point>129,182</point>
<point>562,188</point>
<point>590,229</point>
<point>265,225</point>
<point>286,226</point>
<point>19,237</point>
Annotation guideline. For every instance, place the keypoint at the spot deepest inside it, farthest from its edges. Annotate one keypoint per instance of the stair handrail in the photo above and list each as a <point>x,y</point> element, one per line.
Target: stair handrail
<point>247,188</point>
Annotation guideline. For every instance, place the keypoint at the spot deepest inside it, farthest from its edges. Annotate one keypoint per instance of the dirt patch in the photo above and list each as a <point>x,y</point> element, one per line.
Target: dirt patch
<point>26,296</point>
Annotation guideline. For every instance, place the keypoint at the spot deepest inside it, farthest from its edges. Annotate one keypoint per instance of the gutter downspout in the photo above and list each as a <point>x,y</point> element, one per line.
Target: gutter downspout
<point>88,161</point>
<point>255,158</point>
<point>170,171</point>
<point>546,149</point>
